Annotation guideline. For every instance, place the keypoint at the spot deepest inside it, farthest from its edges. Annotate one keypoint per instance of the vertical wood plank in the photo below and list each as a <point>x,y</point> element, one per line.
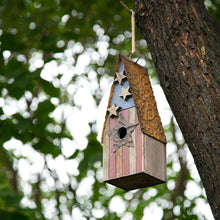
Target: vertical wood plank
<point>125,159</point>
<point>106,142</point>
<point>139,155</point>
<point>125,149</point>
<point>119,156</point>
<point>145,153</point>
<point>112,155</point>
<point>142,148</point>
<point>132,150</point>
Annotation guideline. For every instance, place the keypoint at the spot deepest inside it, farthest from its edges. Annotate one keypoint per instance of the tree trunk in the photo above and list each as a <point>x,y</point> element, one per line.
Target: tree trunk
<point>184,41</point>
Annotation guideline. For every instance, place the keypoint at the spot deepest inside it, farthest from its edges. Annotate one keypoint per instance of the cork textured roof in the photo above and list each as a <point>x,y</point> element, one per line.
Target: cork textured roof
<point>144,100</point>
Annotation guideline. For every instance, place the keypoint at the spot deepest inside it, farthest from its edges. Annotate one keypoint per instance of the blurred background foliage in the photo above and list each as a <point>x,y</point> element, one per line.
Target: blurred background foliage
<point>57,60</point>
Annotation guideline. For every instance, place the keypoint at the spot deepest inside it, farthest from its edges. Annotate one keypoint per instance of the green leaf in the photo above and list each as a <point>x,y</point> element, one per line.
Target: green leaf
<point>10,215</point>
<point>74,155</point>
<point>43,110</point>
<point>6,130</point>
<point>47,147</point>
<point>92,154</point>
<point>49,88</point>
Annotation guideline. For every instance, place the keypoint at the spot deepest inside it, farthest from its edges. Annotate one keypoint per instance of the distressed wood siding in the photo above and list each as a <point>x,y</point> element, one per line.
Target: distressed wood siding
<point>126,160</point>
<point>141,165</point>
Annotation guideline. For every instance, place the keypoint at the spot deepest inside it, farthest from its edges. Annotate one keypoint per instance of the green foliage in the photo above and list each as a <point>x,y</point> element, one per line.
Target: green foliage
<point>44,48</point>
<point>214,8</point>
<point>92,154</point>
<point>12,215</point>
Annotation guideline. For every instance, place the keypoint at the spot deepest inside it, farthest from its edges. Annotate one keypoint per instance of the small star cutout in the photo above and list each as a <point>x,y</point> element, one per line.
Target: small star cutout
<point>122,133</point>
<point>120,77</point>
<point>113,111</point>
<point>125,93</point>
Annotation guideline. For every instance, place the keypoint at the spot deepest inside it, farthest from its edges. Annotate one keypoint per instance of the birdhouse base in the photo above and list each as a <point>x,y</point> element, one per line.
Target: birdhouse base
<point>135,181</point>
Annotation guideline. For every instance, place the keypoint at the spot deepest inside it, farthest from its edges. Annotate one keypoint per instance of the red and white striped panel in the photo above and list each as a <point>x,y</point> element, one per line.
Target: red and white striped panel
<point>126,160</point>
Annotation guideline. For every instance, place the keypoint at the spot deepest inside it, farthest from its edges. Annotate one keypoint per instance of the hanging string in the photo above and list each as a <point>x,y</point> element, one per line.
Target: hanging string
<point>132,13</point>
<point>132,32</point>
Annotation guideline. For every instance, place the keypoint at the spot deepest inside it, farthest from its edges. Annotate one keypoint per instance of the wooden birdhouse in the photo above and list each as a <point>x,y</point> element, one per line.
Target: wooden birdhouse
<point>134,145</point>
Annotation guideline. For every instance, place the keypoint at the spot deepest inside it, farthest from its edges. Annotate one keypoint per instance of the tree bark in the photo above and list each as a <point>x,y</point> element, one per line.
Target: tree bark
<point>184,41</point>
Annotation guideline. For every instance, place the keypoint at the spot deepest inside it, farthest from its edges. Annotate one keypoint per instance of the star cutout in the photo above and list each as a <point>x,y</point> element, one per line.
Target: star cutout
<point>120,77</point>
<point>121,133</point>
<point>125,93</point>
<point>113,111</point>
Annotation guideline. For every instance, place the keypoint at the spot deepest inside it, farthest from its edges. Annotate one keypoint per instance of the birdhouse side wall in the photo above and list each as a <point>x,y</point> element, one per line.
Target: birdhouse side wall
<point>106,151</point>
<point>154,154</point>
<point>126,160</point>
<point>129,167</point>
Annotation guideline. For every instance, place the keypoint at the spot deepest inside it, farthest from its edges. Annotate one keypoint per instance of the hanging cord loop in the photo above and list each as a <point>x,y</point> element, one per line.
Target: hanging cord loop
<point>132,13</point>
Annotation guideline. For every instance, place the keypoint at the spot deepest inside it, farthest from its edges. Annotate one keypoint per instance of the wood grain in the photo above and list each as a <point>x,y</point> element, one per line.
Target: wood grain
<point>112,155</point>
<point>154,153</point>
<point>106,149</point>
<point>125,159</point>
<point>132,150</point>
<point>139,151</point>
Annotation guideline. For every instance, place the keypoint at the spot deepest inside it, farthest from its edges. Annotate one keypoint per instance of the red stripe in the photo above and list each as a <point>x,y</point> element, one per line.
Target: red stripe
<point>138,147</point>
<point>112,159</point>
<point>125,154</point>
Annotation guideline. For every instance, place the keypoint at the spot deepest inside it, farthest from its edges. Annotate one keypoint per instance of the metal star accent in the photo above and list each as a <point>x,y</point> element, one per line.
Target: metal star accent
<point>125,93</point>
<point>121,133</point>
<point>120,76</point>
<point>113,111</point>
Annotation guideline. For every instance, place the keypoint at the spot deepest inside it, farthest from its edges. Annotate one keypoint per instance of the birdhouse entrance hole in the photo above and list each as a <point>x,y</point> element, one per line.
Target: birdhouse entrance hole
<point>122,132</point>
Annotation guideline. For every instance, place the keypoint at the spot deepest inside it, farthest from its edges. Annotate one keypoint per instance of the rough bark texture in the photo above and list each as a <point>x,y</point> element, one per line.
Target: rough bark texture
<point>184,41</point>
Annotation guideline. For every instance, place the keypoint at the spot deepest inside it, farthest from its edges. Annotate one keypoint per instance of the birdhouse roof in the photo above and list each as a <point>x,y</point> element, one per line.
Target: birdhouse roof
<point>144,100</point>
